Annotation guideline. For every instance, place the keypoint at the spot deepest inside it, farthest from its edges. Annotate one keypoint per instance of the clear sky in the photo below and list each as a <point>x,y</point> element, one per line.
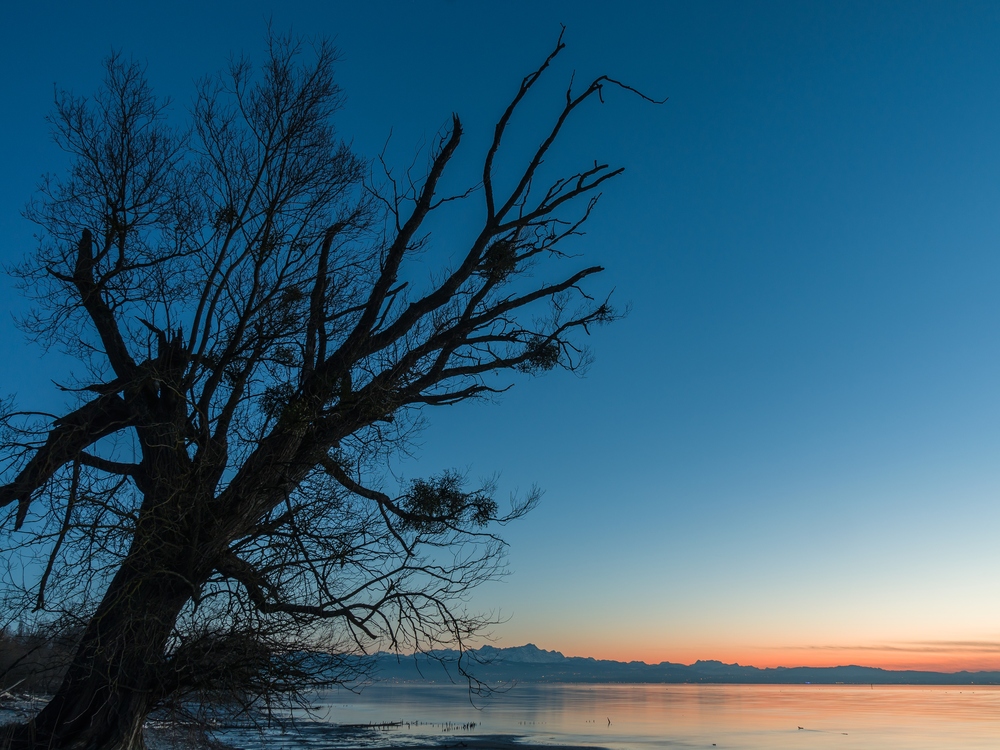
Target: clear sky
<point>789,452</point>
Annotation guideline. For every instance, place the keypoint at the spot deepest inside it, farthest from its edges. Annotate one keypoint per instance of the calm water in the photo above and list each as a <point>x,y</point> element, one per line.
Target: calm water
<point>662,716</point>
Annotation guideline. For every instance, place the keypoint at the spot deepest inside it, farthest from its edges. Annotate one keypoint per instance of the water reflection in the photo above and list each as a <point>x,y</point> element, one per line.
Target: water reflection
<point>751,717</point>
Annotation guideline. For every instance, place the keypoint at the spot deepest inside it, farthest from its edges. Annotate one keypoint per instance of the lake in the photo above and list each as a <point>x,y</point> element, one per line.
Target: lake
<point>750,717</point>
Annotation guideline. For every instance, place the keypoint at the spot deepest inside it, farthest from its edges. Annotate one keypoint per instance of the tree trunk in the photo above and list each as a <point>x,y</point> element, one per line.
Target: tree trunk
<point>116,677</point>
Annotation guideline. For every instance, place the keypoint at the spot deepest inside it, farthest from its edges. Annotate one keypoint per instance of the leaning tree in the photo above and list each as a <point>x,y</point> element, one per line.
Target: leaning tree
<point>255,341</point>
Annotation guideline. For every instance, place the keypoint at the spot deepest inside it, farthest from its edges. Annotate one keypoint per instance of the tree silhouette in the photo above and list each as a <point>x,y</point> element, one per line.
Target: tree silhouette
<point>256,344</point>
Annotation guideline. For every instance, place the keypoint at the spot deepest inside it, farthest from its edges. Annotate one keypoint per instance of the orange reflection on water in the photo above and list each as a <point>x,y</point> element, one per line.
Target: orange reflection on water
<point>747,717</point>
<point>786,716</point>
<point>843,716</point>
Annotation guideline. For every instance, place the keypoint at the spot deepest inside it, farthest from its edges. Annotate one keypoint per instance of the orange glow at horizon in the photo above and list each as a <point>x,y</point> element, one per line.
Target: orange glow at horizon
<point>933,656</point>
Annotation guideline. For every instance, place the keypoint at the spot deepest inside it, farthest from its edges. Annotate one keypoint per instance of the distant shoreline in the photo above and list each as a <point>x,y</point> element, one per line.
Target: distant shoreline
<point>488,742</point>
<point>529,663</point>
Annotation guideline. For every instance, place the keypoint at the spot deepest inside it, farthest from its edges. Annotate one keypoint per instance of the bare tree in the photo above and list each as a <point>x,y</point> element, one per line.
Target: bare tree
<point>215,512</point>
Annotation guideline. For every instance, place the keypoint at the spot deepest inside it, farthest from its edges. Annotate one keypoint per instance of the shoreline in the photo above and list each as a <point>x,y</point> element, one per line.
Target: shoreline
<point>485,742</point>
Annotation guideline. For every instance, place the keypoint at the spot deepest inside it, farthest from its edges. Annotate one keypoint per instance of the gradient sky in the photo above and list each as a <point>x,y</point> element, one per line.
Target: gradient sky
<point>789,452</point>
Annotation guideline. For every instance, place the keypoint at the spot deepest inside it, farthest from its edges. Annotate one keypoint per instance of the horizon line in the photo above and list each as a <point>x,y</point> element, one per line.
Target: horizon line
<point>903,649</point>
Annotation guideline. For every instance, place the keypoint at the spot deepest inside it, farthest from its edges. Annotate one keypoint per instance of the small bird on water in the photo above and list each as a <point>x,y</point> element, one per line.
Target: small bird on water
<point>609,721</point>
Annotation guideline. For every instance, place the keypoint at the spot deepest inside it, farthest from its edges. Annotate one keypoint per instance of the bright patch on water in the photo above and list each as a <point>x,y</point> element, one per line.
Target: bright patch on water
<point>747,717</point>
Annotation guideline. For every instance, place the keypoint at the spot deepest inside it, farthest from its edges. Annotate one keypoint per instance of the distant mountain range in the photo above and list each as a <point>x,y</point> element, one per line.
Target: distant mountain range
<point>532,664</point>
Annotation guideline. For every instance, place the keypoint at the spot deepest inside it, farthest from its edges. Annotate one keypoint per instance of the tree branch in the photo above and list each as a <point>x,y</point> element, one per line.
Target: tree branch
<point>69,436</point>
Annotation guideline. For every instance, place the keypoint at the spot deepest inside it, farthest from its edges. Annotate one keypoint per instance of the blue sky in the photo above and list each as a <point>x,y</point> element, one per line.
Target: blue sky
<point>789,450</point>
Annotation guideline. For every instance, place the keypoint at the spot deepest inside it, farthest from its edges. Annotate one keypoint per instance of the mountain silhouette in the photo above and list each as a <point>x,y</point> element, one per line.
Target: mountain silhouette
<point>528,663</point>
